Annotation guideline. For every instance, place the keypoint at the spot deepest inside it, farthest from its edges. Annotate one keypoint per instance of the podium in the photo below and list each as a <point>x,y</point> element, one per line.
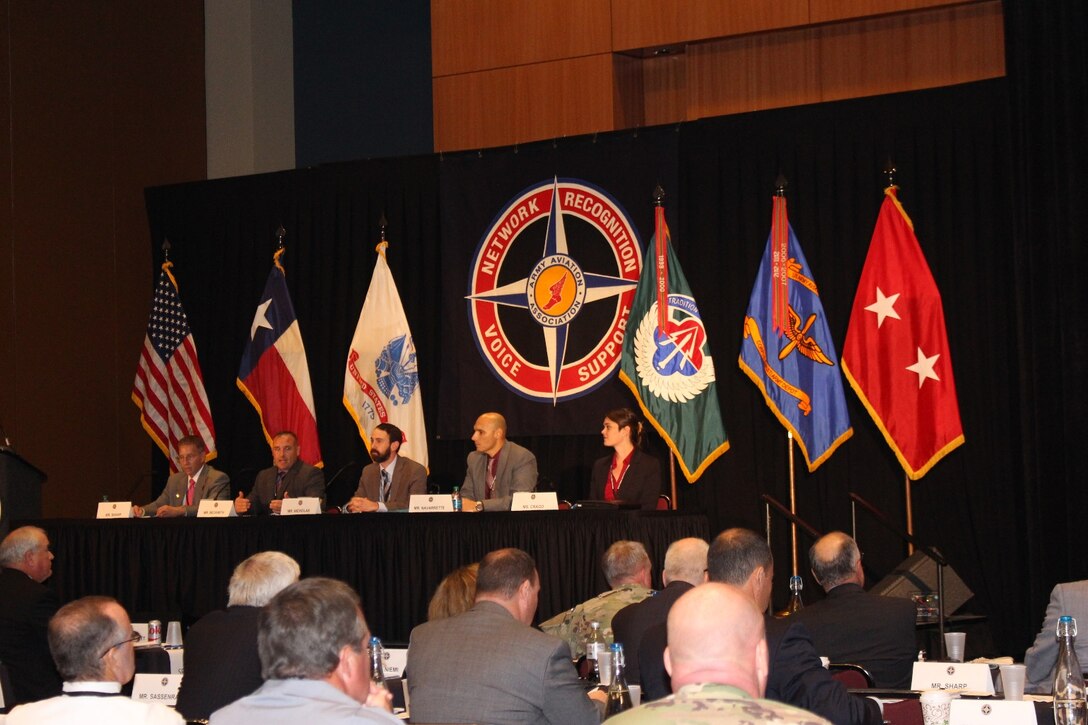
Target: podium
<point>20,489</point>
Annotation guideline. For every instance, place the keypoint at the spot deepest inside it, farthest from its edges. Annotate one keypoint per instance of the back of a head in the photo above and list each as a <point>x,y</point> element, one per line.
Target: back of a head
<point>833,559</point>
<point>685,560</point>
<point>304,627</point>
<point>735,554</point>
<point>18,543</point>
<point>260,577</point>
<point>714,631</point>
<point>624,562</point>
<point>79,634</point>
<point>455,594</point>
<point>501,572</point>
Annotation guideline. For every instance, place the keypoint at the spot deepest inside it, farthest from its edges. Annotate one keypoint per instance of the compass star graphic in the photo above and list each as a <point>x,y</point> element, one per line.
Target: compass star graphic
<point>549,296</point>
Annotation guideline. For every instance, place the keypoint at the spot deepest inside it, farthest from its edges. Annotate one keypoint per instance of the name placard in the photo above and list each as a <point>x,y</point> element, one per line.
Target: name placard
<point>532,501</point>
<point>214,509</point>
<point>961,676</point>
<point>991,712</point>
<point>162,689</point>
<point>141,627</point>
<point>429,503</point>
<point>299,506</point>
<point>394,661</point>
<point>114,510</point>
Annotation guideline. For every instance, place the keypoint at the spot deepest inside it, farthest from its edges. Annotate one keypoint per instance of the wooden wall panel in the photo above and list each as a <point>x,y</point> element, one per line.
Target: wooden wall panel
<point>473,35</point>
<point>525,103</point>
<point>648,23</point>
<point>9,370</point>
<point>826,11</point>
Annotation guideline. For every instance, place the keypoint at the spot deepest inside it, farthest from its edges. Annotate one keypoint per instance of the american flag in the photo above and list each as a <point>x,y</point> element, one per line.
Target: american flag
<point>169,387</point>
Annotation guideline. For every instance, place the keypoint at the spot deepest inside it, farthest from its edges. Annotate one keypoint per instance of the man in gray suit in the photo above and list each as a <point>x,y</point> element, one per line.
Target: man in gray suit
<point>497,468</point>
<point>388,483</point>
<point>185,489</point>
<point>1042,657</point>
<point>488,664</point>
<point>288,477</point>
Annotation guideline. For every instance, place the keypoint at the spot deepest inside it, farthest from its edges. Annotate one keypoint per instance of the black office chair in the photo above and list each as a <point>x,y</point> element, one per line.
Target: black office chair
<point>854,677</point>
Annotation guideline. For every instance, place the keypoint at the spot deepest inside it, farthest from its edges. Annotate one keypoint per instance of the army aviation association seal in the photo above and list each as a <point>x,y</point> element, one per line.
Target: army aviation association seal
<point>554,290</point>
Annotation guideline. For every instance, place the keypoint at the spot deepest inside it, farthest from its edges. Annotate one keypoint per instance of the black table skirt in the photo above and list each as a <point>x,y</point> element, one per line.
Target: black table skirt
<point>179,568</point>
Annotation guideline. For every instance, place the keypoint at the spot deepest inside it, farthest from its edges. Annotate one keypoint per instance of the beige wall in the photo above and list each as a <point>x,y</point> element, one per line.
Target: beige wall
<point>99,100</point>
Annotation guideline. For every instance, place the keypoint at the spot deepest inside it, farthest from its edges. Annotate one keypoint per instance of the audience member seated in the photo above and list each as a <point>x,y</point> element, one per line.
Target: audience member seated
<point>221,663</point>
<point>497,469</point>
<point>455,594</point>
<point>852,625</point>
<point>194,482</point>
<point>717,657</point>
<point>685,567</point>
<point>288,477</point>
<point>388,483</point>
<point>796,676</point>
<point>91,640</point>
<point>1042,657</point>
<point>25,608</point>
<point>315,662</point>
<point>629,474</point>
<point>488,665</point>
<point>627,569</point>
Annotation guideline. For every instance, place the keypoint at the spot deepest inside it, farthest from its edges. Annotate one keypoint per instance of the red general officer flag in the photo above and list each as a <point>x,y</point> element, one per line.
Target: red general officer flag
<point>896,355</point>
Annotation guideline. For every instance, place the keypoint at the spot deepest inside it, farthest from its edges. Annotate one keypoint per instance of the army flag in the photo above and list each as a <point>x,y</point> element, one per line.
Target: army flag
<point>667,363</point>
<point>896,354</point>
<point>381,382</point>
<point>274,375</point>
<point>787,350</point>
<point>169,386</point>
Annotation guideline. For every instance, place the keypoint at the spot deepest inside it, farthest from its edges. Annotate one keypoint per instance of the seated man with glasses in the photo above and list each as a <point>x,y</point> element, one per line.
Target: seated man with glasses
<point>91,640</point>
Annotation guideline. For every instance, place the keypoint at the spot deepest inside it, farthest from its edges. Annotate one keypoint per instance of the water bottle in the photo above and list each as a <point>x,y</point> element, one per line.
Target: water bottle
<point>456,495</point>
<point>619,695</point>
<point>795,604</point>
<point>1069,706</point>
<point>377,654</point>
<point>594,646</point>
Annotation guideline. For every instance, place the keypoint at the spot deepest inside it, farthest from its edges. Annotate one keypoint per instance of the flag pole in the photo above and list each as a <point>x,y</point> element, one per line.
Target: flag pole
<point>659,201</point>
<point>781,304</point>
<point>793,502</point>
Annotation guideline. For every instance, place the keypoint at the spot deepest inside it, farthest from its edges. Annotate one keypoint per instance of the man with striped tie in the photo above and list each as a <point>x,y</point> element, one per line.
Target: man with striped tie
<point>185,489</point>
<point>388,482</point>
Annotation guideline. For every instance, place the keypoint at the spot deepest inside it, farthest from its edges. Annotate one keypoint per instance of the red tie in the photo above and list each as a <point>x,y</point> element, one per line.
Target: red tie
<point>189,493</point>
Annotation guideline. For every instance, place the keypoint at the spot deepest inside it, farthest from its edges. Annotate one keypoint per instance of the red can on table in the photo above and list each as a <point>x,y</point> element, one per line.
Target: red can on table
<point>154,632</point>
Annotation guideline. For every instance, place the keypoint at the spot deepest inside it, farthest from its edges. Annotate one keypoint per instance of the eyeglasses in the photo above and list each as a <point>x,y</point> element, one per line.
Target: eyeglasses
<point>134,638</point>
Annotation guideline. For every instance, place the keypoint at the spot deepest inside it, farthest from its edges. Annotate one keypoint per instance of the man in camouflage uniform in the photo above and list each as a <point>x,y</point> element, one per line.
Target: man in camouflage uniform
<point>717,657</point>
<point>627,569</point>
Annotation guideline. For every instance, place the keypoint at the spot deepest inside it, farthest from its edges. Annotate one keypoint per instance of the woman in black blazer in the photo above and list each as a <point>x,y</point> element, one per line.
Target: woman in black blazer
<point>628,474</point>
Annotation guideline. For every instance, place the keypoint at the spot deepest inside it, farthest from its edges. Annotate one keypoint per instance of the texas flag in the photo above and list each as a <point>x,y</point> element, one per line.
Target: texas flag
<point>274,374</point>
<point>896,355</point>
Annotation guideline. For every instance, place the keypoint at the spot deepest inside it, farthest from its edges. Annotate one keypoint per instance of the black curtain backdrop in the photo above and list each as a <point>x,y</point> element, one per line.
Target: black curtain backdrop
<point>994,506</point>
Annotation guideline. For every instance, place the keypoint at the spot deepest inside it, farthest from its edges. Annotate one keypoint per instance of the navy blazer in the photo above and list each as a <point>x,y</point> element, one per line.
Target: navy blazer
<point>641,483</point>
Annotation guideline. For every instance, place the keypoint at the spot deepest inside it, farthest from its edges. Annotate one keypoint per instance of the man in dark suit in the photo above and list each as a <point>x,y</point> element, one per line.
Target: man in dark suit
<point>497,469</point>
<point>488,664</point>
<point>288,477</point>
<point>216,675</point>
<point>853,626</point>
<point>194,482</point>
<point>388,483</point>
<point>685,568</point>
<point>742,558</point>
<point>25,608</point>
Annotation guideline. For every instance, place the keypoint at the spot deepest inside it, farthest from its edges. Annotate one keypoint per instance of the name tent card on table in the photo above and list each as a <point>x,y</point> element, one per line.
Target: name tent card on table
<point>429,503</point>
<point>396,658</point>
<point>301,505</point>
<point>531,501</point>
<point>162,689</point>
<point>212,509</point>
<point>114,510</point>
<point>961,676</point>
<point>992,712</point>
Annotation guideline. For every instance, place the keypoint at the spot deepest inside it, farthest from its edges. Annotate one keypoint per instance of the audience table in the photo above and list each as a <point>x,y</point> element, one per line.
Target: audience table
<point>179,568</point>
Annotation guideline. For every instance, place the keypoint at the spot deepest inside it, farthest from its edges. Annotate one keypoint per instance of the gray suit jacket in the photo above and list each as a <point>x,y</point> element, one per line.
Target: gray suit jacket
<point>408,478</point>
<point>302,480</point>
<point>484,666</point>
<point>210,484</point>
<point>517,472</point>
<point>1042,657</point>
